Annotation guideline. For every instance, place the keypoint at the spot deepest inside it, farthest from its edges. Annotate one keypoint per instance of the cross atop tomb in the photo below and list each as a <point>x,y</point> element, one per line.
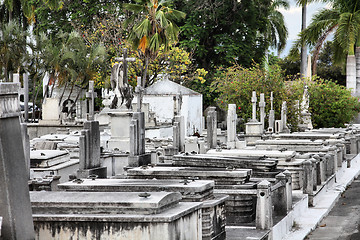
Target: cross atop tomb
<point>91,95</point>
<point>253,101</point>
<point>271,101</point>
<point>138,91</point>
<point>125,59</point>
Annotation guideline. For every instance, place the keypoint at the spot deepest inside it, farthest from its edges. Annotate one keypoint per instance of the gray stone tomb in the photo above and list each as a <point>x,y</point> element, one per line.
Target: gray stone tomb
<point>15,208</point>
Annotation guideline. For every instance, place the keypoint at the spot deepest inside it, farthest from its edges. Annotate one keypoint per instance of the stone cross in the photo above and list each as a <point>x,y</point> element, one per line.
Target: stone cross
<point>262,109</point>
<point>125,59</point>
<point>138,90</point>
<point>271,114</point>
<point>253,101</point>
<point>15,206</point>
<point>90,95</point>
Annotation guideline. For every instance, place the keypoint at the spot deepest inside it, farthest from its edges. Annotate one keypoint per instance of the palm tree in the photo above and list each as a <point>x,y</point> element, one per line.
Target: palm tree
<point>303,52</point>
<point>12,48</point>
<point>153,26</point>
<point>276,32</point>
<point>343,19</point>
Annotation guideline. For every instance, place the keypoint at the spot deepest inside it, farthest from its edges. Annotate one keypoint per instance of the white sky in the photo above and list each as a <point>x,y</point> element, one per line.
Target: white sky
<point>293,20</point>
<point>293,16</point>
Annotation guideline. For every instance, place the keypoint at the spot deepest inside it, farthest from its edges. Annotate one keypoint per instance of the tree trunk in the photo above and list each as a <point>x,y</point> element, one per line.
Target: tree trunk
<point>357,56</point>
<point>303,47</point>
<point>351,73</point>
<point>143,80</point>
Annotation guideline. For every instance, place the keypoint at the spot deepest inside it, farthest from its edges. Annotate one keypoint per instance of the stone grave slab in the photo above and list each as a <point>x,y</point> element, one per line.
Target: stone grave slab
<point>63,170</point>
<point>256,163</point>
<point>213,214</point>
<point>300,145</point>
<point>220,176</point>
<point>160,215</point>
<point>47,158</point>
<point>100,203</point>
<point>285,155</point>
<point>198,190</point>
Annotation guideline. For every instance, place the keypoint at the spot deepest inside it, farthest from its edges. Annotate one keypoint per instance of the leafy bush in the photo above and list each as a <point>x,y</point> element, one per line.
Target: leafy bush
<point>331,105</point>
<point>235,85</point>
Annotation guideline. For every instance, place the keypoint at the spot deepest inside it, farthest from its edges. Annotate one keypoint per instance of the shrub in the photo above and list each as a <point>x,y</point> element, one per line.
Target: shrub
<point>331,105</point>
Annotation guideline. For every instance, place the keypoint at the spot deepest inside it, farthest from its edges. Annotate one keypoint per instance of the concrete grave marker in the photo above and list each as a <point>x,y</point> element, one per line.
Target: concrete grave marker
<point>15,207</point>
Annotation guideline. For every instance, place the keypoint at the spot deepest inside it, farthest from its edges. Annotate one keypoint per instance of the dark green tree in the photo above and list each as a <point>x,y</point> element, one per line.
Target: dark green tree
<point>221,32</point>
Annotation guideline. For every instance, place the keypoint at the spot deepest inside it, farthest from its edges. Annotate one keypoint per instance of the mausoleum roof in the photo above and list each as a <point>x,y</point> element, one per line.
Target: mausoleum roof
<point>167,87</point>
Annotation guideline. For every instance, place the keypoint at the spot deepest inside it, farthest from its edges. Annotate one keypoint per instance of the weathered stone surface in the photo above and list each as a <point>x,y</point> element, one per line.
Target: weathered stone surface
<point>167,225</point>
<point>206,160</point>
<point>220,176</point>
<point>14,195</point>
<point>198,190</point>
<point>82,215</point>
<point>100,203</point>
<point>48,158</point>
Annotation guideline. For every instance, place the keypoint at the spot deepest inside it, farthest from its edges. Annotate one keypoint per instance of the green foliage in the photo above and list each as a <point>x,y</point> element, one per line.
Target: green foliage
<point>221,33</point>
<point>153,27</point>
<point>331,105</point>
<point>326,69</point>
<point>62,18</point>
<point>234,85</point>
<point>12,48</point>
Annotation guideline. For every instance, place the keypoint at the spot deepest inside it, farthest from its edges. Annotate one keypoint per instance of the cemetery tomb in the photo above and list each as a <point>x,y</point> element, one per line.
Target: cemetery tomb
<point>222,177</point>
<point>113,215</point>
<point>261,164</point>
<point>52,162</point>
<point>213,208</point>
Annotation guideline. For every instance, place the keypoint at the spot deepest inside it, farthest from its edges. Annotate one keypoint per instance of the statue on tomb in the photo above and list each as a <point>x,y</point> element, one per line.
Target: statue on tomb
<point>123,91</point>
<point>305,100</point>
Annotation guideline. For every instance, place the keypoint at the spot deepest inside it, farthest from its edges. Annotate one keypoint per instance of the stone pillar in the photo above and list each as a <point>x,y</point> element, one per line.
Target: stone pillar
<point>288,190</point>
<point>231,126</point>
<point>314,166</point>
<point>90,95</point>
<point>134,137</point>
<point>308,178</point>
<point>262,109</point>
<point>181,121</point>
<point>320,177</point>
<point>340,157</point>
<point>353,145</point>
<point>351,73</point>
<point>26,96</point>
<point>253,101</point>
<point>264,206</point>
<point>140,116</point>
<point>284,117</point>
<point>333,151</point>
<point>176,135</point>
<point>26,146</point>
<point>15,207</point>
<point>271,114</point>
<point>329,165</point>
<point>138,157</point>
<point>211,121</point>
<point>89,151</point>
<point>280,203</point>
